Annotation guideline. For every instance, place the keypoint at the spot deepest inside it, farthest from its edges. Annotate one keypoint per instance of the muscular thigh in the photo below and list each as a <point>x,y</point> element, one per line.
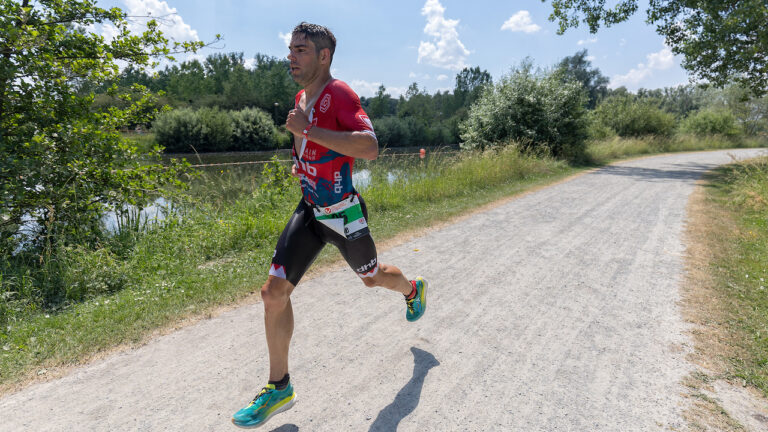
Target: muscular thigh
<point>298,246</point>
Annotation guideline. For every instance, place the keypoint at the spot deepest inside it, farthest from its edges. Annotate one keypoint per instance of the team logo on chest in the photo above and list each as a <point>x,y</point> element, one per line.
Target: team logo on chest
<point>325,103</point>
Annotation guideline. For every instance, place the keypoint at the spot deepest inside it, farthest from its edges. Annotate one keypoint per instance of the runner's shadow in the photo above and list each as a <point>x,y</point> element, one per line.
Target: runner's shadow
<point>407,398</point>
<point>287,428</point>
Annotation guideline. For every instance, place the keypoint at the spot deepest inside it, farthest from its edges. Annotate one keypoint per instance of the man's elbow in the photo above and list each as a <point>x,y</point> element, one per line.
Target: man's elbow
<point>373,150</point>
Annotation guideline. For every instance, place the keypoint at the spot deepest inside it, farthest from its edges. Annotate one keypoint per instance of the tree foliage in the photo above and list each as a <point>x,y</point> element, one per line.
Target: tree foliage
<point>711,122</point>
<point>222,80</point>
<point>536,110</point>
<point>63,163</point>
<point>720,40</point>
<point>578,68</point>
<point>630,116</point>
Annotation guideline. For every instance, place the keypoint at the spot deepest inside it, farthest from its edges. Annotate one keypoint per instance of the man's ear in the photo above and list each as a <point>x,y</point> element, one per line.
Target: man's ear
<point>325,55</point>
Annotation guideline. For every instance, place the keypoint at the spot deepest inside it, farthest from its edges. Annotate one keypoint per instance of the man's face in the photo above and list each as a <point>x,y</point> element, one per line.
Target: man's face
<point>306,64</point>
<point>304,61</point>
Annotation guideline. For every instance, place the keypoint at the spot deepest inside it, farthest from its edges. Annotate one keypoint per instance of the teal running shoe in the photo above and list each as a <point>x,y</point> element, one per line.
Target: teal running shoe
<point>418,304</point>
<point>265,405</point>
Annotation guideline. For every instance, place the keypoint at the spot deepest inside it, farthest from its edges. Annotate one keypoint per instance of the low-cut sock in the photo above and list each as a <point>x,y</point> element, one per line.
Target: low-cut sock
<point>283,383</point>
<point>413,291</point>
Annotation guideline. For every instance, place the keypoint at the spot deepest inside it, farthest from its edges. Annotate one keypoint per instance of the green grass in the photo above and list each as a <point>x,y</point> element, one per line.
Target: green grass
<point>604,151</point>
<point>144,141</point>
<point>740,266</point>
<point>218,253</point>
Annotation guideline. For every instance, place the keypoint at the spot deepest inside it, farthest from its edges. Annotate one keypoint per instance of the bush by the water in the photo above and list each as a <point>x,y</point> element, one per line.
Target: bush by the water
<point>630,117</point>
<point>711,122</point>
<point>249,126</point>
<point>210,129</point>
<point>537,110</point>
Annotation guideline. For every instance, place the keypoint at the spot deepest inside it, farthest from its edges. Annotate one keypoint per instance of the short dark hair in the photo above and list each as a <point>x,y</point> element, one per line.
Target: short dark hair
<point>319,35</point>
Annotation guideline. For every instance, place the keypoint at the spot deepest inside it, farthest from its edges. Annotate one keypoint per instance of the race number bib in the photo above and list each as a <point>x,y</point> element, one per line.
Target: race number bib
<point>345,218</point>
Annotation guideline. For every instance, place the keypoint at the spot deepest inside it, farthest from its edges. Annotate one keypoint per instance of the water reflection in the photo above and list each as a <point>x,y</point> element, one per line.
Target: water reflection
<point>362,178</point>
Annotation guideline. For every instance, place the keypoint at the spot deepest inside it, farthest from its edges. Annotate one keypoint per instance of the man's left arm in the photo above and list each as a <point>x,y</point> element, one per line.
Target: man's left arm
<point>350,143</point>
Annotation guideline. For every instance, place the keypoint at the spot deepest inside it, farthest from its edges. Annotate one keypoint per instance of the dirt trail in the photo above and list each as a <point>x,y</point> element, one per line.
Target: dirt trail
<point>557,311</point>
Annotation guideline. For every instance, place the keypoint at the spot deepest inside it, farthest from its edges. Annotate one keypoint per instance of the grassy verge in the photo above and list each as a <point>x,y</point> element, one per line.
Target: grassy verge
<point>733,297</point>
<point>604,151</point>
<point>218,252</point>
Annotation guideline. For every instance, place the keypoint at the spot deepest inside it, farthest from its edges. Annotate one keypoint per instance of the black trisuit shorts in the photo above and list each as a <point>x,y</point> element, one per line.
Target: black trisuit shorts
<point>304,237</point>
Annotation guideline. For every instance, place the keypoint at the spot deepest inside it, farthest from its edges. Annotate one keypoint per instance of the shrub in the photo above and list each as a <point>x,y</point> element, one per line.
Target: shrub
<point>597,130</point>
<point>252,129</point>
<point>283,138</point>
<point>630,117</point>
<point>711,122</point>
<point>185,130</point>
<point>537,110</point>
<point>216,129</point>
<point>178,130</point>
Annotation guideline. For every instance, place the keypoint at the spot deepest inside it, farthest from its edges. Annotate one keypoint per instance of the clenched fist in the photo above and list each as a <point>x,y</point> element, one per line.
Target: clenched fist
<point>297,121</point>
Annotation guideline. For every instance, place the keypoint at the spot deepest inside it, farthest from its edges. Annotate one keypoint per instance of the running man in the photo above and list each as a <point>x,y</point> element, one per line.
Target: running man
<point>330,130</point>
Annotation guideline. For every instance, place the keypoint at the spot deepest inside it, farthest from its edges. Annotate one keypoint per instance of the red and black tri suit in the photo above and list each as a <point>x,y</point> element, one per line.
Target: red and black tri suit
<point>326,179</point>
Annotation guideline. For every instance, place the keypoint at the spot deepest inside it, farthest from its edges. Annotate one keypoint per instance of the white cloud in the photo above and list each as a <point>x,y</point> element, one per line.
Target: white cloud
<point>419,76</point>
<point>140,12</point>
<point>445,50</point>
<point>250,63</point>
<point>369,89</point>
<point>108,31</point>
<point>442,77</point>
<point>364,88</point>
<point>286,37</point>
<point>590,58</point>
<point>171,24</point>
<point>587,41</point>
<point>631,78</point>
<point>622,42</point>
<point>520,22</point>
<point>661,60</point>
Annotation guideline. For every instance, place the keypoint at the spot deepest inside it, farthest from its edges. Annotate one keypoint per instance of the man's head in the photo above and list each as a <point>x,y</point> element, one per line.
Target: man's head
<point>320,36</point>
<point>311,52</point>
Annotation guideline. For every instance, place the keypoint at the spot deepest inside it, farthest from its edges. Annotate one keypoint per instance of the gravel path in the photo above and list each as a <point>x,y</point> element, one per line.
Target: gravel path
<point>556,311</point>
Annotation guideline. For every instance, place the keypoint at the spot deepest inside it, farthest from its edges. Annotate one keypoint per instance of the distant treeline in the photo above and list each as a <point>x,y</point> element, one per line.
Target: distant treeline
<point>559,107</point>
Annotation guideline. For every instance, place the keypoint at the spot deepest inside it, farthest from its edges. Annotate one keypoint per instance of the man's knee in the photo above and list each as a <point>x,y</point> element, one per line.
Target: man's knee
<point>375,279</point>
<point>276,292</point>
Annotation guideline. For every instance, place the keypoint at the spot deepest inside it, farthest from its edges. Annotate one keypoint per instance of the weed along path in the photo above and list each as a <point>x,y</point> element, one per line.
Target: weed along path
<point>556,311</point>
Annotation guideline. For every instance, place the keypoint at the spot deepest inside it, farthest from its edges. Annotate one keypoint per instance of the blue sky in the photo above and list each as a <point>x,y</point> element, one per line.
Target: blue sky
<point>398,42</point>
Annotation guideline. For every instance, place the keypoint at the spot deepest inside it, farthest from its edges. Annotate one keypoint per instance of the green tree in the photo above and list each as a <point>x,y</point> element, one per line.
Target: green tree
<point>380,104</point>
<point>720,40</point>
<point>469,85</point>
<point>578,68</point>
<point>62,164</point>
<point>417,103</point>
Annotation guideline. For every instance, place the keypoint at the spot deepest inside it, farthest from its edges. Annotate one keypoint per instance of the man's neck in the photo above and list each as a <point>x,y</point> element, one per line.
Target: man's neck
<point>317,85</point>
